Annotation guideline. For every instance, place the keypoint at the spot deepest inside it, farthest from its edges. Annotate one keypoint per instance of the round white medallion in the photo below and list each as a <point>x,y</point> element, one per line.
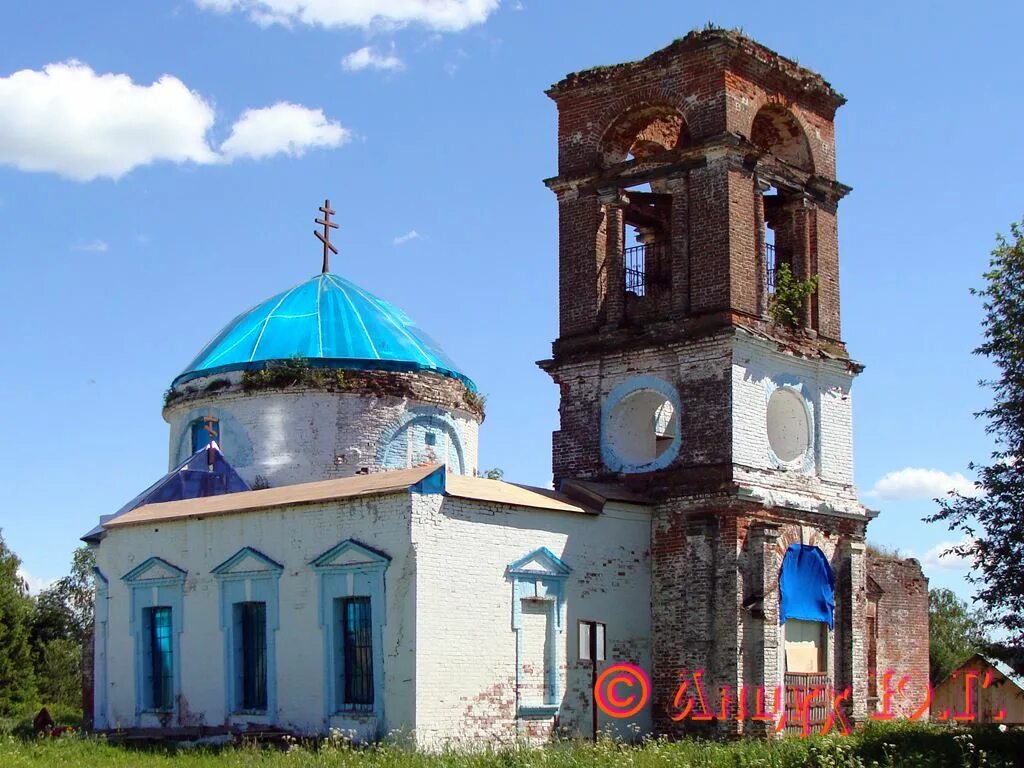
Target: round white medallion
<point>789,433</point>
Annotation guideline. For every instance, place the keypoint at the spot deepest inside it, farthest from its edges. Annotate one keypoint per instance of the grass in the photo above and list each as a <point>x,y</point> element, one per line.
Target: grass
<point>901,745</point>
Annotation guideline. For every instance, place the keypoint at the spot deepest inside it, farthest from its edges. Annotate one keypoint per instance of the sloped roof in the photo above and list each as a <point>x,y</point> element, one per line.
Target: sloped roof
<point>204,474</point>
<point>328,321</point>
<point>376,484</point>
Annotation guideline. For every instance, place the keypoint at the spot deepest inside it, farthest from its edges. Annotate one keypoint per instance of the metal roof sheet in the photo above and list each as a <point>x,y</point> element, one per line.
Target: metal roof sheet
<point>378,483</point>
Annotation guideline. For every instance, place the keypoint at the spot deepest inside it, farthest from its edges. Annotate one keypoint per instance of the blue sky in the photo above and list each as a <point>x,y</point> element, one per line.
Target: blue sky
<point>161,163</point>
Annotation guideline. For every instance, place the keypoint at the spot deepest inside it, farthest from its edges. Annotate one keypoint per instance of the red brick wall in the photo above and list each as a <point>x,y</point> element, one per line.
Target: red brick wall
<point>716,82</point>
<point>902,626</point>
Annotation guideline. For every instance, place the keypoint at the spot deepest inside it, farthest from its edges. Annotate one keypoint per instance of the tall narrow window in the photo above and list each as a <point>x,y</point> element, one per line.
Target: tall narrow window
<point>356,667</point>
<point>204,430</point>
<point>159,664</point>
<point>251,655</point>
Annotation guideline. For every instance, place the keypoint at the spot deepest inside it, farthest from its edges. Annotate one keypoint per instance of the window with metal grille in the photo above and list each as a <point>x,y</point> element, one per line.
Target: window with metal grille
<point>159,661</point>
<point>356,667</point>
<point>251,655</point>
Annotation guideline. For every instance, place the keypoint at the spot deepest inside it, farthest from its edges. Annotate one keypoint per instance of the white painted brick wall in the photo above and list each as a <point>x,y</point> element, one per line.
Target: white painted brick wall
<point>465,644</point>
<point>826,383</point>
<point>302,436</point>
<point>292,537</point>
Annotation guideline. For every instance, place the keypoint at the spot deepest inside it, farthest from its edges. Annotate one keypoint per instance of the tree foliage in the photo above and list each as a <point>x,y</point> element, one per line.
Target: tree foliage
<point>955,633</point>
<point>60,631</point>
<point>17,681</point>
<point>993,519</point>
<point>789,301</point>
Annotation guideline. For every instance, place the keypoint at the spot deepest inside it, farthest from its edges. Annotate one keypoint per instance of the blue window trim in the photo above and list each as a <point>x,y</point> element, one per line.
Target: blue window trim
<point>165,588</point>
<point>351,569</point>
<point>101,618</point>
<point>628,387</point>
<point>249,576</point>
<point>539,574</point>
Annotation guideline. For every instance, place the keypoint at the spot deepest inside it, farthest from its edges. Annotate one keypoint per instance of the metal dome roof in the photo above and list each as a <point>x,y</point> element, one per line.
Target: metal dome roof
<point>329,321</point>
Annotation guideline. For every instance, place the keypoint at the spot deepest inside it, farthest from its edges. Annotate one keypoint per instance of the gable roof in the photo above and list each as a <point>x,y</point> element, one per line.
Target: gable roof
<point>427,479</point>
<point>1000,666</point>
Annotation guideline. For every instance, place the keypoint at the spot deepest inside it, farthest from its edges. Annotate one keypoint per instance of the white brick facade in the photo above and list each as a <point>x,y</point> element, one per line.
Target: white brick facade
<point>449,649</point>
<point>300,435</point>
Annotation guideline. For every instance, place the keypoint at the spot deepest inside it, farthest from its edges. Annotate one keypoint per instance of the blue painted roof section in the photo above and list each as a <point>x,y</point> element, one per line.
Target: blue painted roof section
<point>329,321</point>
<point>191,479</point>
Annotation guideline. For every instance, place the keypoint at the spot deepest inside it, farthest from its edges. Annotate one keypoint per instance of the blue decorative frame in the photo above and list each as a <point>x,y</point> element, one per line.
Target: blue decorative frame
<point>101,615</point>
<point>808,461</point>
<point>626,388</point>
<point>233,437</point>
<point>249,576</point>
<point>155,582</point>
<point>540,574</point>
<point>422,413</point>
<point>352,569</point>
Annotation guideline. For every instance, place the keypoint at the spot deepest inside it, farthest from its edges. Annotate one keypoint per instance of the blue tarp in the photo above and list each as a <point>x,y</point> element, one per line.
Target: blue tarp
<point>205,473</point>
<point>806,585</point>
<point>330,322</point>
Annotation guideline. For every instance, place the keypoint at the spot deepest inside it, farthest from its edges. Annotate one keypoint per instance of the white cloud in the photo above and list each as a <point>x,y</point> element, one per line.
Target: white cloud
<point>444,15</point>
<point>283,128</point>
<point>69,120</point>
<point>35,584</point>
<point>919,483</point>
<point>367,57</point>
<point>935,558</point>
<point>412,234</point>
<point>92,246</point>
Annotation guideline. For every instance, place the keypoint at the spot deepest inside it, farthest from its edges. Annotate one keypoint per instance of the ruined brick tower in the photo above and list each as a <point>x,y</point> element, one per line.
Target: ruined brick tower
<point>687,182</point>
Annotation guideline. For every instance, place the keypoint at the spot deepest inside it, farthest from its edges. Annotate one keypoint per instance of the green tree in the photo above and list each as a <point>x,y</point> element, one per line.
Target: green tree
<point>993,519</point>
<point>61,627</point>
<point>955,633</point>
<point>17,681</point>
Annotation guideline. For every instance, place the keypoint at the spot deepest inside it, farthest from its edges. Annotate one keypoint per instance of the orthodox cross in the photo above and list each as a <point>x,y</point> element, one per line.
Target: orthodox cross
<point>209,424</point>
<point>209,421</point>
<point>325,236</point>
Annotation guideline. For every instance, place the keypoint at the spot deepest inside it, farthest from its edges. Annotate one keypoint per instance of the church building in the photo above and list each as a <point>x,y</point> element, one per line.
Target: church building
<point>324,554</point>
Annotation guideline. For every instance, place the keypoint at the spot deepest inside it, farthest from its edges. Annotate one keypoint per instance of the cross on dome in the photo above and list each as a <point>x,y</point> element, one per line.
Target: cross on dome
<point>325,236</point>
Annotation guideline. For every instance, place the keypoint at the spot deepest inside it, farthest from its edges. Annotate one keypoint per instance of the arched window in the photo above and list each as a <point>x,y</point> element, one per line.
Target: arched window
<point>204,430</point>
<point>807,604</point>
<point>777,131</point>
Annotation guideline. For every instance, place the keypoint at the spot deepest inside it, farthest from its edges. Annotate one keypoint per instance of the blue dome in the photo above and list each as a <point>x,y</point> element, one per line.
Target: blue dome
<point>329,321</point>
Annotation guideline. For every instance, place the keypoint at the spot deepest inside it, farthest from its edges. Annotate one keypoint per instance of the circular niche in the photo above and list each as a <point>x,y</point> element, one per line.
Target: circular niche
<point>641,431</point>
<point>789,428</point>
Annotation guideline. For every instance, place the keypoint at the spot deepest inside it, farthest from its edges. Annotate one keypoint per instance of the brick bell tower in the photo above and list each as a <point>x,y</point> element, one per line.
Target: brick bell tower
<point>688,182</point>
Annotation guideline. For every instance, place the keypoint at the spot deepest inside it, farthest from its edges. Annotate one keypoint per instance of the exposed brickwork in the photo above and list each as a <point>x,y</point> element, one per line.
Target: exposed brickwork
<point>902,627</point>
<point>704,120</point>
<point>737,143</point>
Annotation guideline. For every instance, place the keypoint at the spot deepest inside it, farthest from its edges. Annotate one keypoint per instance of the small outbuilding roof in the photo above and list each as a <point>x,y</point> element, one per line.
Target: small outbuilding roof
<point>1000,666</point>
<point>427,479</point>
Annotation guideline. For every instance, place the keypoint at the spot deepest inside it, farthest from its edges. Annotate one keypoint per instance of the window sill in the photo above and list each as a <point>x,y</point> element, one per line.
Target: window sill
<point>249,713</point>
<point>537,711</point>
<point>353,712</point>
